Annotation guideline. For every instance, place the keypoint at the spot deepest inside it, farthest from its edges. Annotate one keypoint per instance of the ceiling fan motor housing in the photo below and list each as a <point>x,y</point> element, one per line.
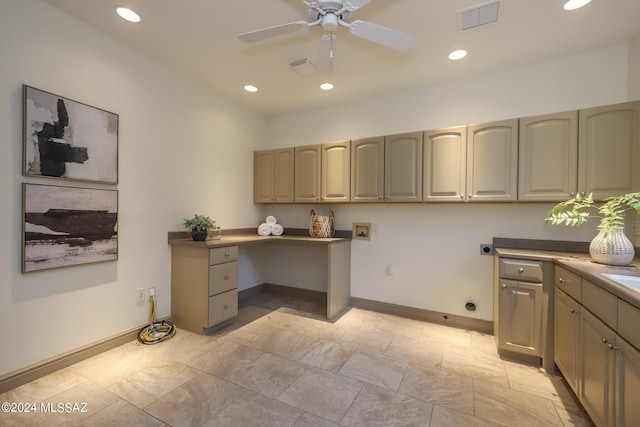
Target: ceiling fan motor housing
<point>329,19</point>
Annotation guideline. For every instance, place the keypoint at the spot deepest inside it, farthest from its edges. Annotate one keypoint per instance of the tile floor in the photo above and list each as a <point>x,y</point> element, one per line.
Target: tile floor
<point>278,366</point>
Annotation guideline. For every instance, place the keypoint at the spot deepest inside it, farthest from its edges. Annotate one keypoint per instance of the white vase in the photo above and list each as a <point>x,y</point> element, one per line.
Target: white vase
<point>613,248</point>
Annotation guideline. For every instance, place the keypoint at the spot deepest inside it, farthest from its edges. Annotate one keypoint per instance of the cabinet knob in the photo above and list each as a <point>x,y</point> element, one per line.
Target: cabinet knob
<point>504,286</point>
<point>604,340</point>
<point>561,280</point>
<point>572,311</point>
<point>469,196</point>
<point>462,197</point>
<point>226,277</point>
<point>226,254</point>
<point>521,270</point>
<point>573,194</point>
<point>226,306</point>
<point>379,197</point>
<point>612,346</point>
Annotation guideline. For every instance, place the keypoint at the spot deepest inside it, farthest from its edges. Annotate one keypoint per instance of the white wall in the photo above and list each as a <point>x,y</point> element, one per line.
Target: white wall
<point>435,247</point>
<point>181,148</point>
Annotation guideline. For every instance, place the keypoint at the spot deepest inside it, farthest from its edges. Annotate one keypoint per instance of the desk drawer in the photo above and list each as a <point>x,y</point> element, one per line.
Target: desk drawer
<point>520,270</point>
<point>601,303</point>
<point>569,282</point>
<point>223,254</point>
<point>222,307</point>
<point>223,277</point>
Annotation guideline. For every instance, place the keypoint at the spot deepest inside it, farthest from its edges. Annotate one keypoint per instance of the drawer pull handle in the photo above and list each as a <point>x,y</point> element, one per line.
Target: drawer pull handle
<point>226,306</point>
<point>226,277</point>
<point>521,270</point>
<point>226,254</point>
<point>611,346</point>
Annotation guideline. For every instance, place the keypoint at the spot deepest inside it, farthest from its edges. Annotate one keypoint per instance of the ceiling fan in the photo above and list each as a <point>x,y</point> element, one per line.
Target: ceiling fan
<point>330,15</point>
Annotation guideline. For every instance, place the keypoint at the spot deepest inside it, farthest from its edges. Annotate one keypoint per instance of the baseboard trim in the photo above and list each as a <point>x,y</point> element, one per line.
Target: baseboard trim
<point>48,366</point>
<point>461,322</point>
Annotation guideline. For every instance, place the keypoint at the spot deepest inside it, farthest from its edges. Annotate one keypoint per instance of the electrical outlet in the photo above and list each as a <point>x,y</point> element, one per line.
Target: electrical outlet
<point>151,290</point>
<point>140,296</point>
<point>486,249</point>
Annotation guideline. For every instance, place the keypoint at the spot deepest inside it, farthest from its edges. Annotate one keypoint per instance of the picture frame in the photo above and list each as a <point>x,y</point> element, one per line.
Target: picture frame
<point>66,139</point>
<point>66,226</point>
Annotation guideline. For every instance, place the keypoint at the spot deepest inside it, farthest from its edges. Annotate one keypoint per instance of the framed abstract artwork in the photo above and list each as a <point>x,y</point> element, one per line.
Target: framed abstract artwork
<point>64,226</point>
<point>67,139</point>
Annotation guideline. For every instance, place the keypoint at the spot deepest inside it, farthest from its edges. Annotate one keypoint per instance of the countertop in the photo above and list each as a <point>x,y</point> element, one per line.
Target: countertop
<point>581,264</point>
<point>253,238</point>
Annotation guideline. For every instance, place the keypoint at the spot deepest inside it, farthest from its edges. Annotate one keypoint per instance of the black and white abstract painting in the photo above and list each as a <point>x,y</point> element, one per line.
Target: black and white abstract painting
<point>66,226</point>
<point>68,139</point>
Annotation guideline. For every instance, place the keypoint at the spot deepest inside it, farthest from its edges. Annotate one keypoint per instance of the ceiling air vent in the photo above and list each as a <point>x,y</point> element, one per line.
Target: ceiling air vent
<point>477,16</point>
<point>305,67</point>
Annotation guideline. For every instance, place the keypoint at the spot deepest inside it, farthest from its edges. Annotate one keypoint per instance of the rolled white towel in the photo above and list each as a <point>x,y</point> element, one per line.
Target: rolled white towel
<point>277,230</point>
<point>264,229</point>
<point>271,220</point>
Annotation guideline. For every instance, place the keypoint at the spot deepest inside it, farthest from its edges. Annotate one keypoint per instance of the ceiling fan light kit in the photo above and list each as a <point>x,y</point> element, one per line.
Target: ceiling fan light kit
<point>331,15</point>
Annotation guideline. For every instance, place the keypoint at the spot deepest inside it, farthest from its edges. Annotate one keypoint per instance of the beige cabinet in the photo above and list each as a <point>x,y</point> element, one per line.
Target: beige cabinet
<point>273,176</point>
<point>367,170</point>
<point>548,153</point>
<point>492,161</point>
<point>322,173</point>
<point>308,163</point>
<point>627,388</point>
<point>609,150</point>
<point>566,329</point>
<point>204,286</point>
<point>445,164</point>
<point>520,327</point>
<point>336,172</point>
<point>403,167</point>
<point>596,368</point>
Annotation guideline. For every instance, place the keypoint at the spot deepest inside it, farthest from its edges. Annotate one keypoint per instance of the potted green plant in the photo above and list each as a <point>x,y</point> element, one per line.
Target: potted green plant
<point>200,225</point>
<point>610,246</point>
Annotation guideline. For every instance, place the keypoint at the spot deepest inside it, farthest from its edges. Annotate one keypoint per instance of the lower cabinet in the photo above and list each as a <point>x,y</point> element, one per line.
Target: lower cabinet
<point>566,336</point>
<point>204,286</point>
<point>599,363</point>
<point>520,327</point>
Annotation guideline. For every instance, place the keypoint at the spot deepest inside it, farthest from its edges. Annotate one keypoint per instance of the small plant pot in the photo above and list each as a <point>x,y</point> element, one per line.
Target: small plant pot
<point>199,236</point>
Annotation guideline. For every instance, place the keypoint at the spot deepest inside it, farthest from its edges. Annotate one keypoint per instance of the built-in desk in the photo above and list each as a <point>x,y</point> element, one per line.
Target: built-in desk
<point>204,275</point>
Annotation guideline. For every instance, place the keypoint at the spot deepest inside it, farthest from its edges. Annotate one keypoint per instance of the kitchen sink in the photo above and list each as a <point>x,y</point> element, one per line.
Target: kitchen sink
<point>632,282</point>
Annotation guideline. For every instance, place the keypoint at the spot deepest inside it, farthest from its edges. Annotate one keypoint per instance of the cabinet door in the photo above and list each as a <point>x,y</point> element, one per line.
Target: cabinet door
<point>548,152</point>
<point>307,174</point>
<point>609,150</point>
<point>336,172</point>
<point>403,167</point>
<point>492,161</point>
<point>596,369</point>
<point>445,163</point>
<point>263,176</point>
<point>520,317</point>
<point>627,410</point>
<point>565,336</point>
<point>283,175</point>
<point>367,170</point>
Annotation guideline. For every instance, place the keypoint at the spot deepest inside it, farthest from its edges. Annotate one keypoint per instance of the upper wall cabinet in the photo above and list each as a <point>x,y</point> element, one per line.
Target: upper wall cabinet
<point>273,176</point>
<point>308,162</point>
<point>367,170</point>
<point>445,164</point>
<point>492,161</point>
<point>336,172</point>
<point>609,150</point>
<point>322,173</point>
<point>403,167</point>
<point>548,151</point>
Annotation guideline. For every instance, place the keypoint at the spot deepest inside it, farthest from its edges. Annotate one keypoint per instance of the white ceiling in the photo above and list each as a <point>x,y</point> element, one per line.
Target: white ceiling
<point>200,38</point>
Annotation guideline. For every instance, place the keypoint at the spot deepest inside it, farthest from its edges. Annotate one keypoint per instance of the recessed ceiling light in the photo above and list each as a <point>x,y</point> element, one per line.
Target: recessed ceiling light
<point>575,4</point>
<point>457,54</point>
<point>128,14</point>
<point>250,88</point>
<point>326,86</point>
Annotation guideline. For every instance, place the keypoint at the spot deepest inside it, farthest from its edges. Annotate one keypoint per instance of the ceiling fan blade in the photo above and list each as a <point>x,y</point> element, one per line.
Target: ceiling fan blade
<point>355,4</point>
<point>384,36</point>
<point>278,30</point>
<point>326,54</point>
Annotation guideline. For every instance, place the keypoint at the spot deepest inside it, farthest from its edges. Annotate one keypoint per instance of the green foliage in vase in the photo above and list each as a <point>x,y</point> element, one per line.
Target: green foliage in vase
<point>577,210</point>
<point>199,223</point>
